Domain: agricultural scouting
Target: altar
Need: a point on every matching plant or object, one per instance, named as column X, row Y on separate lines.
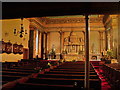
column 71, row 57
column 73, row 47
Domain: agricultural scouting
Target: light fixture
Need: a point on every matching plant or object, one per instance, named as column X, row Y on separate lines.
column 21, row 32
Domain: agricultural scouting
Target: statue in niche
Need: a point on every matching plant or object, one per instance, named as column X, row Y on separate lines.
column 80, row 39
column 92, row 48
column 65, row 39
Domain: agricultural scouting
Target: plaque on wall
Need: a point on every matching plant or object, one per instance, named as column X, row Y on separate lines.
column 15, row 48
column 8, row 47
column 20, row 49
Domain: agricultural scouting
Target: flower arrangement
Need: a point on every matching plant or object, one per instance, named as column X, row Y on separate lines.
column 110, row 53
column 52, row 52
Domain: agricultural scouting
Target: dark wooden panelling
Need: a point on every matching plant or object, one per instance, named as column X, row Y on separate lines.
column 39, row 9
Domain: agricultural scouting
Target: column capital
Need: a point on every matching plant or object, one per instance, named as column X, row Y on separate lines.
column 83, row 32
column 32, row 27
column 100, row 31
column 60, row 32
column 86, row 16
column 46, row 32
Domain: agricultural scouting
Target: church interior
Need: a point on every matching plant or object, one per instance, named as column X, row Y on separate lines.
column 52, row 47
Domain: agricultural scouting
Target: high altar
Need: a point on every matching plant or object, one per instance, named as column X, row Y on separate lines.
column 73, row 47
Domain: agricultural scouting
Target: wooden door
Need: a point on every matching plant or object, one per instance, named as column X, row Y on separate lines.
column 25, row 53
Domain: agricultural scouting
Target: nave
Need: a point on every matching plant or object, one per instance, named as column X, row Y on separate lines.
column 52, row 45
column 59, row 75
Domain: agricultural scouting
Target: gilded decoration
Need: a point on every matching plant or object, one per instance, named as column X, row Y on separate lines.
column 73, row 39
column 47, row 20
column 73, row 47
column 77, row 22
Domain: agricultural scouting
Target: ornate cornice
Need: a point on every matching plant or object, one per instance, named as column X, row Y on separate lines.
column 41, row 23
column 68, row 20
column 35, row 21
column 73, row 27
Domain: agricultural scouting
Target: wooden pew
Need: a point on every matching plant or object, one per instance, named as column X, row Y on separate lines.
column 112, row 73
column 68, row 79
column 95, row 83
column 15, row 73
column 32, row 86
column 9, row 77
column 72, row 70
column 3, row 82
column 69, row 72
column 20, row 70
column 66, row 76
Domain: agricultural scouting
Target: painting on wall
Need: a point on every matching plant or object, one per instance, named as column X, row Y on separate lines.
column 8, row 48
column 2, row 47
column 20, row 49
column 15, row 48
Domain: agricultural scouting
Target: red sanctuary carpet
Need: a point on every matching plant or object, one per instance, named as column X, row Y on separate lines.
column 104, row 84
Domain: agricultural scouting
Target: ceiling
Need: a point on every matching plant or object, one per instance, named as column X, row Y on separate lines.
column 12, row 10
column 69, row 23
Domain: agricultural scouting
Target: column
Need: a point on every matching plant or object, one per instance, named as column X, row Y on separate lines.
column 63, row 40
column 39, row 44
column 34, row 41
column 84, row 40
column 87, row 66
column 118, row 51
column 60, row 32
column 46, row 45
column 111, row 39
column 48, row 40
column 31, row 43
column 42, row 44
column 106, row 40
column 100, row 38
column 102, row 41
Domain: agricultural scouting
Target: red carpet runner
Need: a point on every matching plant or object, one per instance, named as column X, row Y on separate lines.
column 105, row 85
